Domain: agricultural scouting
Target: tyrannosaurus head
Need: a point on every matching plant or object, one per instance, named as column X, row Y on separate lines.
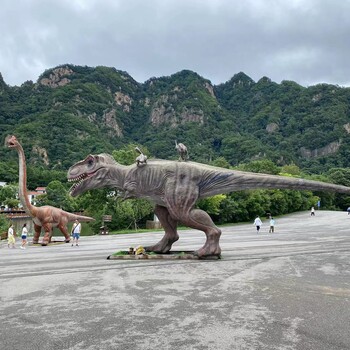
column 90, row 173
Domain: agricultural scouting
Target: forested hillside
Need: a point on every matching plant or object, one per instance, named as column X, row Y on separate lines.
column 72, row 111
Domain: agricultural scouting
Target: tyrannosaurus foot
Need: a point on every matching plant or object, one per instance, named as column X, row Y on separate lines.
column 164, row 245
column 208, row 251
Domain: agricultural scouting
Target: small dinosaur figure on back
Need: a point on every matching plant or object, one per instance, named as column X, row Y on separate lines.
column 182, row 150
column 141, row 160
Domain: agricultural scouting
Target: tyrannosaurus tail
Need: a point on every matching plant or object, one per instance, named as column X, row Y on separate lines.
column 252, row 180
column 231, row 181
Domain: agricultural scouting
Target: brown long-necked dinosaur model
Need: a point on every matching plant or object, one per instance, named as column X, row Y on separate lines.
column 45, row 217
column 175, row 187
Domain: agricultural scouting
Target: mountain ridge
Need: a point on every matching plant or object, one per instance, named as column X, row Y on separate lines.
column 74, row 110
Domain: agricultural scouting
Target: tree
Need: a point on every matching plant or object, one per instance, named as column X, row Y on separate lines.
column 125, row 213
column 340, row 176
column 11, row 202
column 220, row 162
column 4, row 224
column 8, row 193
column 131, row 213
column 57, row 196
column 128, row 154
column 211, row 204
column 265, row 166
column 291, row 169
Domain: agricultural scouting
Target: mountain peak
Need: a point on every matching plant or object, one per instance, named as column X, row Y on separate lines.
column 241, row 79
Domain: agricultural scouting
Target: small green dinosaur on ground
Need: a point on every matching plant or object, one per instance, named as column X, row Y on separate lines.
column 175, row 187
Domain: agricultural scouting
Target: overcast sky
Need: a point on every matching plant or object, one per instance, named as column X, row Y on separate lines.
column 306, row 41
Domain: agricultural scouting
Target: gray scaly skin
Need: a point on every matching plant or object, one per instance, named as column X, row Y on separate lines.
column 175, row 187
column 45, row 217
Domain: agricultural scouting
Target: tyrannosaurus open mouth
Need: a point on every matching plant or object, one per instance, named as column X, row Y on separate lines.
column 79, row 181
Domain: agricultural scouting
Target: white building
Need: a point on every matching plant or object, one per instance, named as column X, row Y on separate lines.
column 33, row 194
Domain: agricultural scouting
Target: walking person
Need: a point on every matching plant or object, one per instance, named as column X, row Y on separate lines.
column 272, row 225
column 312, row 211
column 76, row 232
column 348, row 210
column 24, row 236
column 258, row 224
column 11, row 237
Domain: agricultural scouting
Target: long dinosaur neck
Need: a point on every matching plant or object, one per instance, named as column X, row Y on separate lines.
column 22, row 183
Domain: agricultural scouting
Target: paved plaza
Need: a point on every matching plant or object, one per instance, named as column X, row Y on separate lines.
column 284, row 291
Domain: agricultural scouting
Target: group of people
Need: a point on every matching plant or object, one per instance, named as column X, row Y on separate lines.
column 11, row 240
column 258, row 224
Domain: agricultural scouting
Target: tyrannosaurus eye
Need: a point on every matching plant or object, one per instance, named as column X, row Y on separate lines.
column 90, row 162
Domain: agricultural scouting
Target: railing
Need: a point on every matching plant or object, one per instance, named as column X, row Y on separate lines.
column 17, row 213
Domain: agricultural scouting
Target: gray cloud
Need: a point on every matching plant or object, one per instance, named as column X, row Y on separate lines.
column 300, row 40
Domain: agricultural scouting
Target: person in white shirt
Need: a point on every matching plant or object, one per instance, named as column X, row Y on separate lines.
column 272, row 225
column 24, row 236
column 312, row 211
column 76, row 229
column 258, row 224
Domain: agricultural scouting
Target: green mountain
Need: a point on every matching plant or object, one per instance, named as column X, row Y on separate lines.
column 72, row 111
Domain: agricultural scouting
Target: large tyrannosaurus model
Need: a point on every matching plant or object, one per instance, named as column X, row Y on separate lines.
column 175, row 187
column 45, row 217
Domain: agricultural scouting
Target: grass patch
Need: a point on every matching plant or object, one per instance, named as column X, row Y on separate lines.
column 121, row 253
column 180, row 254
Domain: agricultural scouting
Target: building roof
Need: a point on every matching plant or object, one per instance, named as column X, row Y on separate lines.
column 34, row 193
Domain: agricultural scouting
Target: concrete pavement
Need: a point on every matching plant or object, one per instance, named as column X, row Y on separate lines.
column 288, row 290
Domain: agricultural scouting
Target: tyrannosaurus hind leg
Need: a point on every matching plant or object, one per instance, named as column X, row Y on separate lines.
column 200, row 220
column 170, row 236
column 181, row 198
